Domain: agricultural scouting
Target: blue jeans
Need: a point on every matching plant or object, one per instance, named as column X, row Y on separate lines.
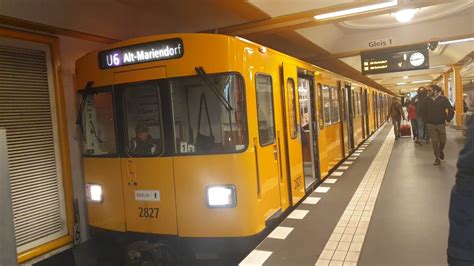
column 421, row 127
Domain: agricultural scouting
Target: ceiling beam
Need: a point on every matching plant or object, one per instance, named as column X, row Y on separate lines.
column 358, row 52
column 306, row 19
column 40, row 27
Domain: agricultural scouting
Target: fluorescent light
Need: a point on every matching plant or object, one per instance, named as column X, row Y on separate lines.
column 457, row 41
column 421, row 81
column 405, row 77
column 402, row 83
column 356, row 10
column 405, row 15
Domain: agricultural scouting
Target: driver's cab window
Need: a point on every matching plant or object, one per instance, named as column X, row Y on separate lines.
column 143, row 119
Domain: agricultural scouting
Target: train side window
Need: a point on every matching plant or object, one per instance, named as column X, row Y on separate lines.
column 98, row 124
column 321, row 106
column 266, row 127
column 335, row 105
column 292, row 108
column 327, row 104
column 209, row 115
column 143, row 128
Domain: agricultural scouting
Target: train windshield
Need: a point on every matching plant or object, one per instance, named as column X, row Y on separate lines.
column 209, row 114
column 98, row 126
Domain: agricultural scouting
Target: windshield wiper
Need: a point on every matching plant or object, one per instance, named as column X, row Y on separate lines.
column 202, row 74
column 84, row 93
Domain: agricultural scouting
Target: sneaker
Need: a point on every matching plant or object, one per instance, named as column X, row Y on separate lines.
column 441, row 155
column 437, row 162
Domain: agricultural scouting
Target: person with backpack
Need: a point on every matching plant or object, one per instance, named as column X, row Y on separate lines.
column 396, row 113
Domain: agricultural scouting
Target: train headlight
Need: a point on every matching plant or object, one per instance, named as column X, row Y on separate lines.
column 94, row 193
column 221, row 196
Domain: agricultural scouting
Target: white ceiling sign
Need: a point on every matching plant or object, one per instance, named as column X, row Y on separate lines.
column 381, row 43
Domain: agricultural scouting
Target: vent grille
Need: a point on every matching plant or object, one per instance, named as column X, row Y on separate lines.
column 25, row 111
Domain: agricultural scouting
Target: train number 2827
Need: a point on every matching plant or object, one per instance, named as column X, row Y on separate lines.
column 148, row 212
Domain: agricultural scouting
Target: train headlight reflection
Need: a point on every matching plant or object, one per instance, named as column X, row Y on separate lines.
column 221, row 196
column 94, row 193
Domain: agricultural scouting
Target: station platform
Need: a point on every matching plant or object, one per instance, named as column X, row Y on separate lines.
column 387, row 204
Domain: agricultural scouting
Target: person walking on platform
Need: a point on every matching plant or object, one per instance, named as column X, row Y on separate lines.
column 396, row 113
column 412, row 117
column 435, row 116
column 461, row 208
column 420, row 99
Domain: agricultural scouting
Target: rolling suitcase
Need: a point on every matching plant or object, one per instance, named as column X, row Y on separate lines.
column 405, row 129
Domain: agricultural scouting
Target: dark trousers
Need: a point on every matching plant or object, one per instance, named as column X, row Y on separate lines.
column 396, row 126
column 437, row 134
column 414, row 128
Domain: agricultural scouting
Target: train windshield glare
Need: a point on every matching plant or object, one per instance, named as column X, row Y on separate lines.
column 208, row 117
column 204, row 123
column 98, row 124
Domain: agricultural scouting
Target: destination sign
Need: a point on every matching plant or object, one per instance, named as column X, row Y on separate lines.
column 141, row 53
column 391, row 60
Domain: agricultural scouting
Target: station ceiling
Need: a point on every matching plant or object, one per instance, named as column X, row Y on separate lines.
column 285, row 25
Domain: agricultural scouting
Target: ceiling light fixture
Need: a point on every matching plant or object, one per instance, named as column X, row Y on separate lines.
column 457, row 41
column 421, row 81
column 405, row 15
column 402, row 83
column 405, row 77
column 356, row 10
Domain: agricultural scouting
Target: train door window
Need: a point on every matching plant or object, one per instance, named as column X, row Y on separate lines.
column 209, row 114
column 327, row 104
column 143, row 128
column 98, row 124
column 292, row 106
column 335, row 105
column 304, row 102
column 321, row 106
column 266, row 127
column 359, row 106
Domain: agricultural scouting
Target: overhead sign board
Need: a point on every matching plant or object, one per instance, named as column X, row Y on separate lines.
column 141, row 53
column 391, row 60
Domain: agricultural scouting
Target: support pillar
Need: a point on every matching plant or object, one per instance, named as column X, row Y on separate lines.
column 459, row 91
column 446, row 84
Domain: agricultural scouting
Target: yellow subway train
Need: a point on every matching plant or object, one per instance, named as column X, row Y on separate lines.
column 206, row 136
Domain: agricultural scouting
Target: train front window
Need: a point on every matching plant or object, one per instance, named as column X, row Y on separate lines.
column 98, row 124
column 143, row 119
column 209, row 114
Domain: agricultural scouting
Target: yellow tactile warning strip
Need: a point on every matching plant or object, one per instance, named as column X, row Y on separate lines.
column 345, row 244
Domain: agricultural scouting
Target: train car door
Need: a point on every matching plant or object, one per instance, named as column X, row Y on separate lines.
column 366, row 114
column 344, row 119
column 376, row 109
column 147, row 176
column 347, row 92
column 294, row 134
column 266, row 147
column 307, row 102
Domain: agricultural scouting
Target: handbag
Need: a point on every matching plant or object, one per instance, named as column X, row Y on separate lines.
column 203, row 142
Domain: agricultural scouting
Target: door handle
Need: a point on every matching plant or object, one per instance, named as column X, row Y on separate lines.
column 275, row 152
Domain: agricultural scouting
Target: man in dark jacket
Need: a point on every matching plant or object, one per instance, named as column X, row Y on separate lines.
column 461, row 209
column 435, row 116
